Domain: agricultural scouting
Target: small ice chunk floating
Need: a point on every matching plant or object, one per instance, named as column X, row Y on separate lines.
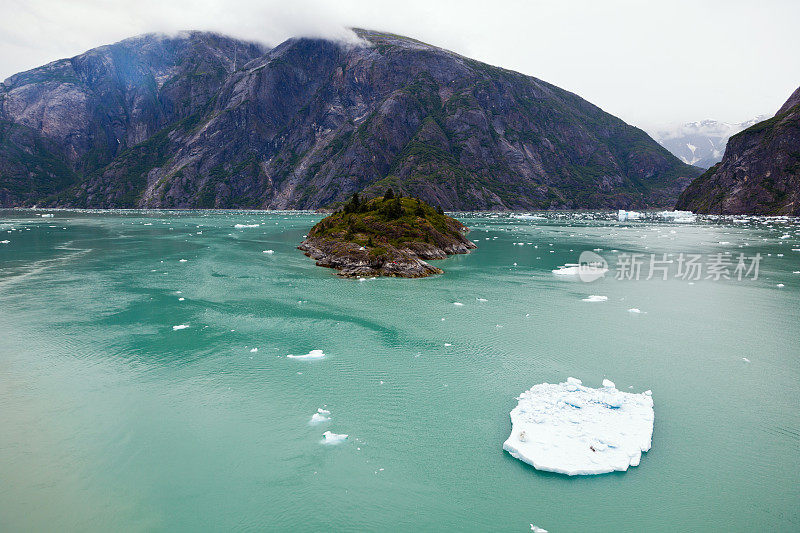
column 313, row 354
column 577, row 430
column 333, row 438
column 624, row 216
column 322, row 415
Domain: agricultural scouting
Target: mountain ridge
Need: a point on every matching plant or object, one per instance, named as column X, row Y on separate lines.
column 701, row 143
column 204, row 120
column 759, row 173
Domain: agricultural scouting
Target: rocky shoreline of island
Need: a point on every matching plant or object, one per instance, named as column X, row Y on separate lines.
column 385, row 236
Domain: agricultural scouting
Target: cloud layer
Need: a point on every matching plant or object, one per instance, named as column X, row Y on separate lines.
column 649, row 62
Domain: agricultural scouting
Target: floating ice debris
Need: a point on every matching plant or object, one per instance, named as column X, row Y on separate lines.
column 569, row 269
column 333, row 438
column 322, row 415
column 254, row 350
column 529, row 217
column 458, row 304
column 745, row 359
column 240, row 226
column 313, row 354
column 182, row 326
column 595, row 298
column 268, row 252
column 537, row 529
column 634, row 310
column 576, row 430
column 586, row 271
column 624, row 216
column 678, row 216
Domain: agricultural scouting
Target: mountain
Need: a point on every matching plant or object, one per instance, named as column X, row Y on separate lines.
column 759, row 173
column 203, row 120
column 701, row 143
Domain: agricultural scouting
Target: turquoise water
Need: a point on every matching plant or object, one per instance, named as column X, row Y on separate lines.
column 112, row 420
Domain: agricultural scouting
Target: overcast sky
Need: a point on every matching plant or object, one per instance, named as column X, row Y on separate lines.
column 651, row 63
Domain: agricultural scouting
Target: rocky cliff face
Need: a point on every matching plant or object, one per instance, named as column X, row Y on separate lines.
column 201, row 120
column 759, row 173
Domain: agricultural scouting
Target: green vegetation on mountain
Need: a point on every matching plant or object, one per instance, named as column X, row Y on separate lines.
column 203, row 120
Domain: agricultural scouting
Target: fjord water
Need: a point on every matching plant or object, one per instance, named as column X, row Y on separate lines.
column 112, row 420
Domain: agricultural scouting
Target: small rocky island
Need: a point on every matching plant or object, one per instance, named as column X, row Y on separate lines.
column 385, row 236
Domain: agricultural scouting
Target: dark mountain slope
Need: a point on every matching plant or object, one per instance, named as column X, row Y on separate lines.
column 311, row 121
column 759, row 173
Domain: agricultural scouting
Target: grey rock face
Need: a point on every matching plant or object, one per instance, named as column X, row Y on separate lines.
column 202, row 120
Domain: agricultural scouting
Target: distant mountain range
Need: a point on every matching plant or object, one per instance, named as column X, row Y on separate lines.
column 201, row 120
column 759, row 173
column 701, row 143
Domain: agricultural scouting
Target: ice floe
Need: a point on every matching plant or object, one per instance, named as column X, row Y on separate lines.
column 333, row 438
column 585, row 272
column 624, row 216
column 322, row 415
column 313, row 354
column 595, row 298
column 577, row 430
column 678, row 216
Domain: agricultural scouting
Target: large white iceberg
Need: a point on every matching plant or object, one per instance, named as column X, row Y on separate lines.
column 577, row 430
